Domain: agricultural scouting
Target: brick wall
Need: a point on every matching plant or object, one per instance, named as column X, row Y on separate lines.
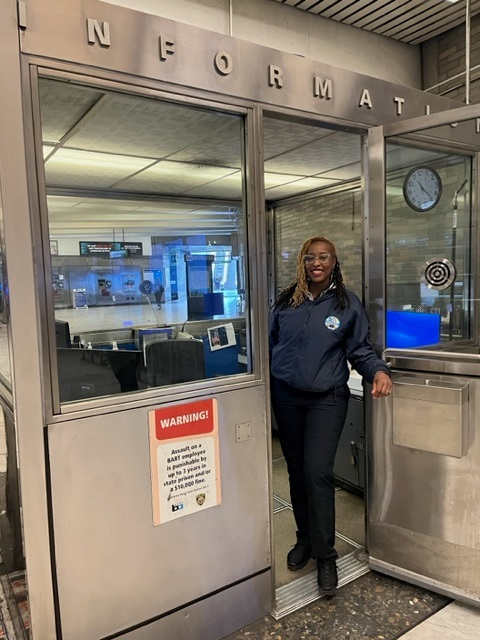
column 335, row 216
column 444, row 58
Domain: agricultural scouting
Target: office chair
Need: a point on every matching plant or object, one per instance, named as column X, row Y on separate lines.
column 172, row 361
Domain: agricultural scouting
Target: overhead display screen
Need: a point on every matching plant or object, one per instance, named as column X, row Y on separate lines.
column 110, row 250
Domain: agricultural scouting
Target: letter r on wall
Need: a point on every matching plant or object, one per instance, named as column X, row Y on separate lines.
column 275, row 76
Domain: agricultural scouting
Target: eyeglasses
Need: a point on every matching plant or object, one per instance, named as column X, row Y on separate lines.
column 322, row 258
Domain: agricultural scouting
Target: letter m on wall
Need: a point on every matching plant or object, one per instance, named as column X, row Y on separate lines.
column 322, row 88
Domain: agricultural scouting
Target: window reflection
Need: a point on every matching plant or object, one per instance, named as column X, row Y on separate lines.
column 312, row 179
column 428, row 259
column 146, row 216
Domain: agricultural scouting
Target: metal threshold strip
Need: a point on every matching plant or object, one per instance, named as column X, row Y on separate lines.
column 295, row 595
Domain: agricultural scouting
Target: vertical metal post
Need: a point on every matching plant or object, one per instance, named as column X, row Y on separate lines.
column 468, row 50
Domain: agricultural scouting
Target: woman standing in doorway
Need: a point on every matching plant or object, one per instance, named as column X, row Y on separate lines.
column 315, row 329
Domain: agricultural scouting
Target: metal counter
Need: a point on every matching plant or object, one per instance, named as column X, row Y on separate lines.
column 424, row 473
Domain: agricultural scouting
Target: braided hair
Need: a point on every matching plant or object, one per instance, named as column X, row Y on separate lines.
column 298, row 291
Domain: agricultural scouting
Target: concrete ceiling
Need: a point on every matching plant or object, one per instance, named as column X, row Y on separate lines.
column 148, row 166
column 411, row 21
column 156, row 168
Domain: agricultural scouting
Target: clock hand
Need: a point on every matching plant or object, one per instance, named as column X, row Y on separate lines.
column 427, row 193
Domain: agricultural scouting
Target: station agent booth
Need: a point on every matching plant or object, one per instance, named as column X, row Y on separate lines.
column 143, row 506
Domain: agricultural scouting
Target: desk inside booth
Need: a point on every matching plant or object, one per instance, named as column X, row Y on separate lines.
column 143, row 359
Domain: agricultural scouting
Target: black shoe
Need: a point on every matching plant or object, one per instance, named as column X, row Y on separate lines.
column 299, row 555
column 327, row 576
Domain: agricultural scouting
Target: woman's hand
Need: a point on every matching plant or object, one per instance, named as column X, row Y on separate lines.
column 382, row 385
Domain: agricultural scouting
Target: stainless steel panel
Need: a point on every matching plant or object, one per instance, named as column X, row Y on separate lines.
column 114, row 569
column 427, row 389
column 430, row 415
column 417, row 552
column 466, row 112
column 424, row 506
column 251, row 600
column 246, row 70
column 459, row 363
column 24, row 274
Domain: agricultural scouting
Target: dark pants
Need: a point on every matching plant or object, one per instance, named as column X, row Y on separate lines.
column 310, row 425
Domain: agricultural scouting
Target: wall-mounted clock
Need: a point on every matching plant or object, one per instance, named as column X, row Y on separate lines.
column 146, row 287
column 422, row 188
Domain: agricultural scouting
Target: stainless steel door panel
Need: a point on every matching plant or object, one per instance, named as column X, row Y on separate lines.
column 427, row 561
column 252, row 599
column 455, row 363
column 424, row 506
column 423, row 440
column 430, row 415
column 433, row 390
column 114, row 568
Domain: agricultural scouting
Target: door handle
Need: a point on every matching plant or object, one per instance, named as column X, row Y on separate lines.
column 353, row 453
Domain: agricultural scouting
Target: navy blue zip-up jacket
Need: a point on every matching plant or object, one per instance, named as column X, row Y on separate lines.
column 310, row 345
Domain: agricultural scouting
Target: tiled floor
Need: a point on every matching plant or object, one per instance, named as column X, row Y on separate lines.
column 455, row 621
column 373, row 606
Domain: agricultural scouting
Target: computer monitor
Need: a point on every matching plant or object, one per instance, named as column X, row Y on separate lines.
column 144, row 335
column 412, row 329
column 87, row 373
column 62, row 334
column 214, row 304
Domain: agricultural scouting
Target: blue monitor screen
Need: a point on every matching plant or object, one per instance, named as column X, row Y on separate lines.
column 214, row 304
column 412, row 329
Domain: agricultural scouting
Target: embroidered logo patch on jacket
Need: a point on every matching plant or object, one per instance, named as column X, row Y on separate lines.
column 332, row 323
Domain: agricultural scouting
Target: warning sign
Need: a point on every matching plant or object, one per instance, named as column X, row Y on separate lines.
column 184, row 454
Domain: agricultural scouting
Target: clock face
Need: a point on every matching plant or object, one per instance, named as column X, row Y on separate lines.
column 422, row 188
column 146, row 287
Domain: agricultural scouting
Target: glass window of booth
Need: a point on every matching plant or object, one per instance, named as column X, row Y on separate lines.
column 312, row 175
column 429, row 297
column 148, row 240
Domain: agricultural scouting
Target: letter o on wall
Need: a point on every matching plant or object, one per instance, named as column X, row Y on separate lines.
column 223, row 63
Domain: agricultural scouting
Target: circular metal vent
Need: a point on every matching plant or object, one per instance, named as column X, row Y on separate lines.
column 439, row 273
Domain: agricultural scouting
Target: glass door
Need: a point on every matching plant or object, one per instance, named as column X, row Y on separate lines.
column 423, row 296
